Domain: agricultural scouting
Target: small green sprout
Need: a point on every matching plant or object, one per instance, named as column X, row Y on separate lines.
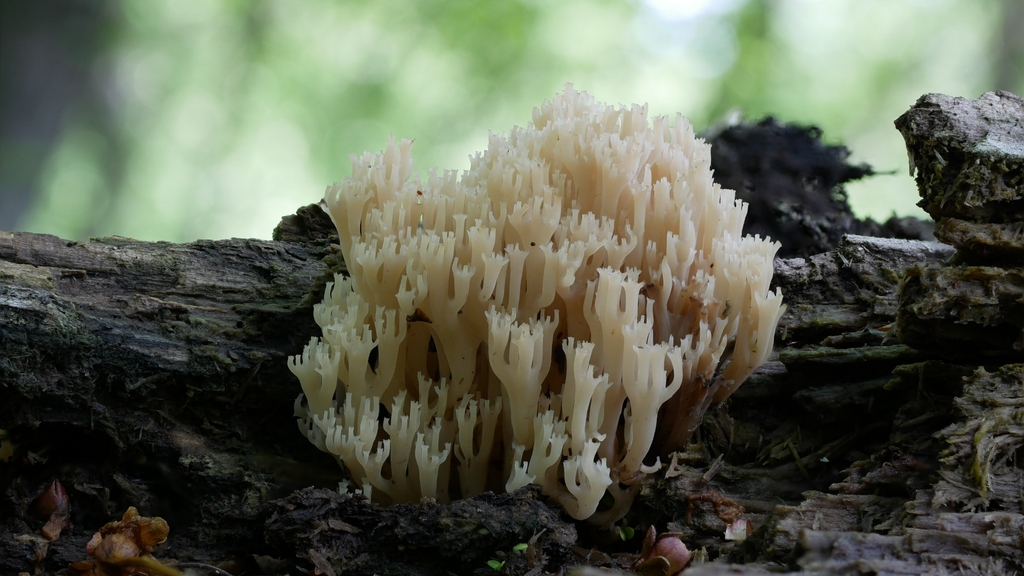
column 625, row 532
column 497, row 565
column 521, row 547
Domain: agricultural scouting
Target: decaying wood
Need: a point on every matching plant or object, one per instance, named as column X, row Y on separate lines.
column 153, row 374
column 968, row 155
column 423, row 538
column 173, row 356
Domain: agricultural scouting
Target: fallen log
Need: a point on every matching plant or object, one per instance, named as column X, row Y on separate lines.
column 154, row 375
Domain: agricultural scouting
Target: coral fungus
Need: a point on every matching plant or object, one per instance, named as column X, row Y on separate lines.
column 559, row 315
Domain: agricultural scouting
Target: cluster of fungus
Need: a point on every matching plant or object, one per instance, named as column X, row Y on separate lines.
column 559, row 315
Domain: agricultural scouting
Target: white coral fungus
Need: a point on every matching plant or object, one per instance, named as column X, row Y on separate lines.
column 562, row 313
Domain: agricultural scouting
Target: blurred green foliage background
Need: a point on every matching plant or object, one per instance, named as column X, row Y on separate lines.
column 183, row 119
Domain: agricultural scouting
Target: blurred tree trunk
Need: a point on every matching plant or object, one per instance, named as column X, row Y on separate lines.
column 1008, row 64
column 49, row 73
